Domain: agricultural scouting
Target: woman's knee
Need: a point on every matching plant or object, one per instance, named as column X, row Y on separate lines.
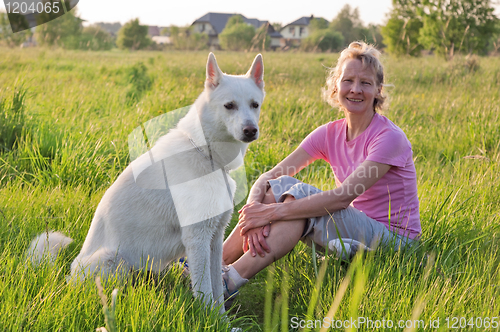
column 284, row 235
column 289, row 198
column 269, row 197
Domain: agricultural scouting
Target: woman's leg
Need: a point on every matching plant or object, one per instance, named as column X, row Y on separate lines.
column 233, row 245
column 283, row 236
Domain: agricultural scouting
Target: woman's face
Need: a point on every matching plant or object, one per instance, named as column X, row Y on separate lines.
column 357, row 87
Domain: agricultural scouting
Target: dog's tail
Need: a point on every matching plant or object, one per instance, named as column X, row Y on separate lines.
column 47, row 246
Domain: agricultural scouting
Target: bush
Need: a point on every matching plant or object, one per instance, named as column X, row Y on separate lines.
column 94, row 38
column 133, row 36
column 237, row 35
column 184, row 39
column 234, row 20
column 67, row 32
column 323, row 40
column 139, row 82
column 64, row 31
column 461, row 66
column 261, row 41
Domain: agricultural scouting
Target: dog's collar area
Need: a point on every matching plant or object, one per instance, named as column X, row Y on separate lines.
column 208, row 157
column 200, row 150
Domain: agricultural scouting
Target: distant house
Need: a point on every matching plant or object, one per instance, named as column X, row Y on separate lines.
column 299, row 29
column 153, row 31
column 162, row 40
column 157, row 34
column 213, row 23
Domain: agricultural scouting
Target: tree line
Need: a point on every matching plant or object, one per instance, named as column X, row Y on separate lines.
column 444, row 27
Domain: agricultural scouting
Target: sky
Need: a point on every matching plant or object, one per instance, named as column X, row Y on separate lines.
column 184, row 12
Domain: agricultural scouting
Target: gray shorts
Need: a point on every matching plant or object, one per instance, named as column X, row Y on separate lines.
column 350, row 224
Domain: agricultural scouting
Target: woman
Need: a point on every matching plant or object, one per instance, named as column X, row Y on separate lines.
column 375, row 200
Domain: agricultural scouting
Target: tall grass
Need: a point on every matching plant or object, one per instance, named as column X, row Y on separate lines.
column 12, row 119
column 78, row 108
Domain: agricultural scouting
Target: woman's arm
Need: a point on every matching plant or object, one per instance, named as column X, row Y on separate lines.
column 296, row 161
column 291, row 165
column 364, row 176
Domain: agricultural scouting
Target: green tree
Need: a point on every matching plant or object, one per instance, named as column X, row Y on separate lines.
column 234, row 20
column 373, row 35
column 9, row 38
column 177, row 37
column 261, row 40
column 451, row 26
column 318, row 24
column 95, row 38
column 444, row 26
column 277, row 26
column 323, row 40
column 64, row 31
column 494, row 44
column 182, row 38
column 349, row 24
column 401, row 35
column 237, row 35
column 133, row 36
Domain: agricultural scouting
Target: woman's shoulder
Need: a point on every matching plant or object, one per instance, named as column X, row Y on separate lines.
column 385, row 126
column 388, row 131
column 332, row 125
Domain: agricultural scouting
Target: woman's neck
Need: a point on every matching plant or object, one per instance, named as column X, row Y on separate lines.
column 357, row 123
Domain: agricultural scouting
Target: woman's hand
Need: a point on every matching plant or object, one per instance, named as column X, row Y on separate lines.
column 255, row 241
column 255, row 214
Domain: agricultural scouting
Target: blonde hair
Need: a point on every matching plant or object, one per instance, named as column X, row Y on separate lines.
column 369, row 57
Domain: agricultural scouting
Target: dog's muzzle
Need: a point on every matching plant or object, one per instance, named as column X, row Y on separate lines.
column 250, row 133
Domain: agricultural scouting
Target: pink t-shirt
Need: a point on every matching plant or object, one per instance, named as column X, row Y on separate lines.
column 381, row 142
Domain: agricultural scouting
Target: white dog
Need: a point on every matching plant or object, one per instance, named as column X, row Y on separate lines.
column 176, row 199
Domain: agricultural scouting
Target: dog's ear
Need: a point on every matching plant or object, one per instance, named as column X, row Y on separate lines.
column 214, row 74
column 256, row 72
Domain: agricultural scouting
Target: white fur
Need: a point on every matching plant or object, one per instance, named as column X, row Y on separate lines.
column 136, row 224
column 47, row 246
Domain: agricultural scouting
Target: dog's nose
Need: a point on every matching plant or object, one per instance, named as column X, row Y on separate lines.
column 250, row 132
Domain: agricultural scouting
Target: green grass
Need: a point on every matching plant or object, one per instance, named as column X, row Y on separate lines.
column 67, row 143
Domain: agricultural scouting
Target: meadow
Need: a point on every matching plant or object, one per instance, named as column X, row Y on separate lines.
column 65, row 117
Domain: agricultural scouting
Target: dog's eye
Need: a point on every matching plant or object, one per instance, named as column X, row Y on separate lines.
column 254, row 105
column 230, row 106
